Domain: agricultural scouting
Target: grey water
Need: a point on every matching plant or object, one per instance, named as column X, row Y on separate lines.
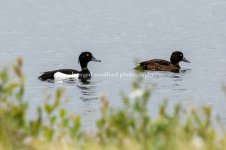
column 50, row 34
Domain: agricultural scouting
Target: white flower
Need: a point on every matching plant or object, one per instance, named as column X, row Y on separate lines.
column 136, row 94
column 28, row 140
column 198, row 142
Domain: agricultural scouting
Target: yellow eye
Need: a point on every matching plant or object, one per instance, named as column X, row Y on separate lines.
column 87, row 54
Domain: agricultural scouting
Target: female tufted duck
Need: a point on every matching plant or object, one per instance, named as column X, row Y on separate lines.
column 84, row 74
column 164, row 65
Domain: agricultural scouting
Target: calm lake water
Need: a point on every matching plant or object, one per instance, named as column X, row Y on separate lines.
column 50, row 34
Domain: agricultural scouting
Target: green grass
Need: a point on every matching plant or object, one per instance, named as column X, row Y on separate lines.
column 127, row 127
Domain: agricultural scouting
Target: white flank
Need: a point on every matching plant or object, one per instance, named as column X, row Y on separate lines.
column 61, row 76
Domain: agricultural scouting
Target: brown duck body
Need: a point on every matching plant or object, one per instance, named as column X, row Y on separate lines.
column 164, row 65
column 158, row 65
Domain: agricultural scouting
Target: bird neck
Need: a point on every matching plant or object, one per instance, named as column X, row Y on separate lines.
column 174, row 61
column 84, row 65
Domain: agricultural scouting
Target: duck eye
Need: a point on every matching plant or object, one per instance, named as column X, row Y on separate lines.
column 87, row 55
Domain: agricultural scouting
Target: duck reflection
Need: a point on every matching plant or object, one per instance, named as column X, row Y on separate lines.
column 88, row 90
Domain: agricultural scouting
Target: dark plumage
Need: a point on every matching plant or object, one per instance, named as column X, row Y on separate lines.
column 84, row 59
column 164, row 65
column 50, row 74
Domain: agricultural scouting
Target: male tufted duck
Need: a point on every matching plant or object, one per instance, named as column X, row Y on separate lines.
column 84, row 74
column 164, row 65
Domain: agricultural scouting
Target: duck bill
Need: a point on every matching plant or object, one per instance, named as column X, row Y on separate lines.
column 185, row 60
column 94, row 59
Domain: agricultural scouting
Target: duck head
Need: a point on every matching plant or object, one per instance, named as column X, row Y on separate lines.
column 176, row 57
column 85, row 58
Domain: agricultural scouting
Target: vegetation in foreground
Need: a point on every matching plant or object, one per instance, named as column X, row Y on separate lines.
column 127, row 127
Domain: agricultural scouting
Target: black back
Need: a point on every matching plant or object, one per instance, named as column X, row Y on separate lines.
column 49, row 75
